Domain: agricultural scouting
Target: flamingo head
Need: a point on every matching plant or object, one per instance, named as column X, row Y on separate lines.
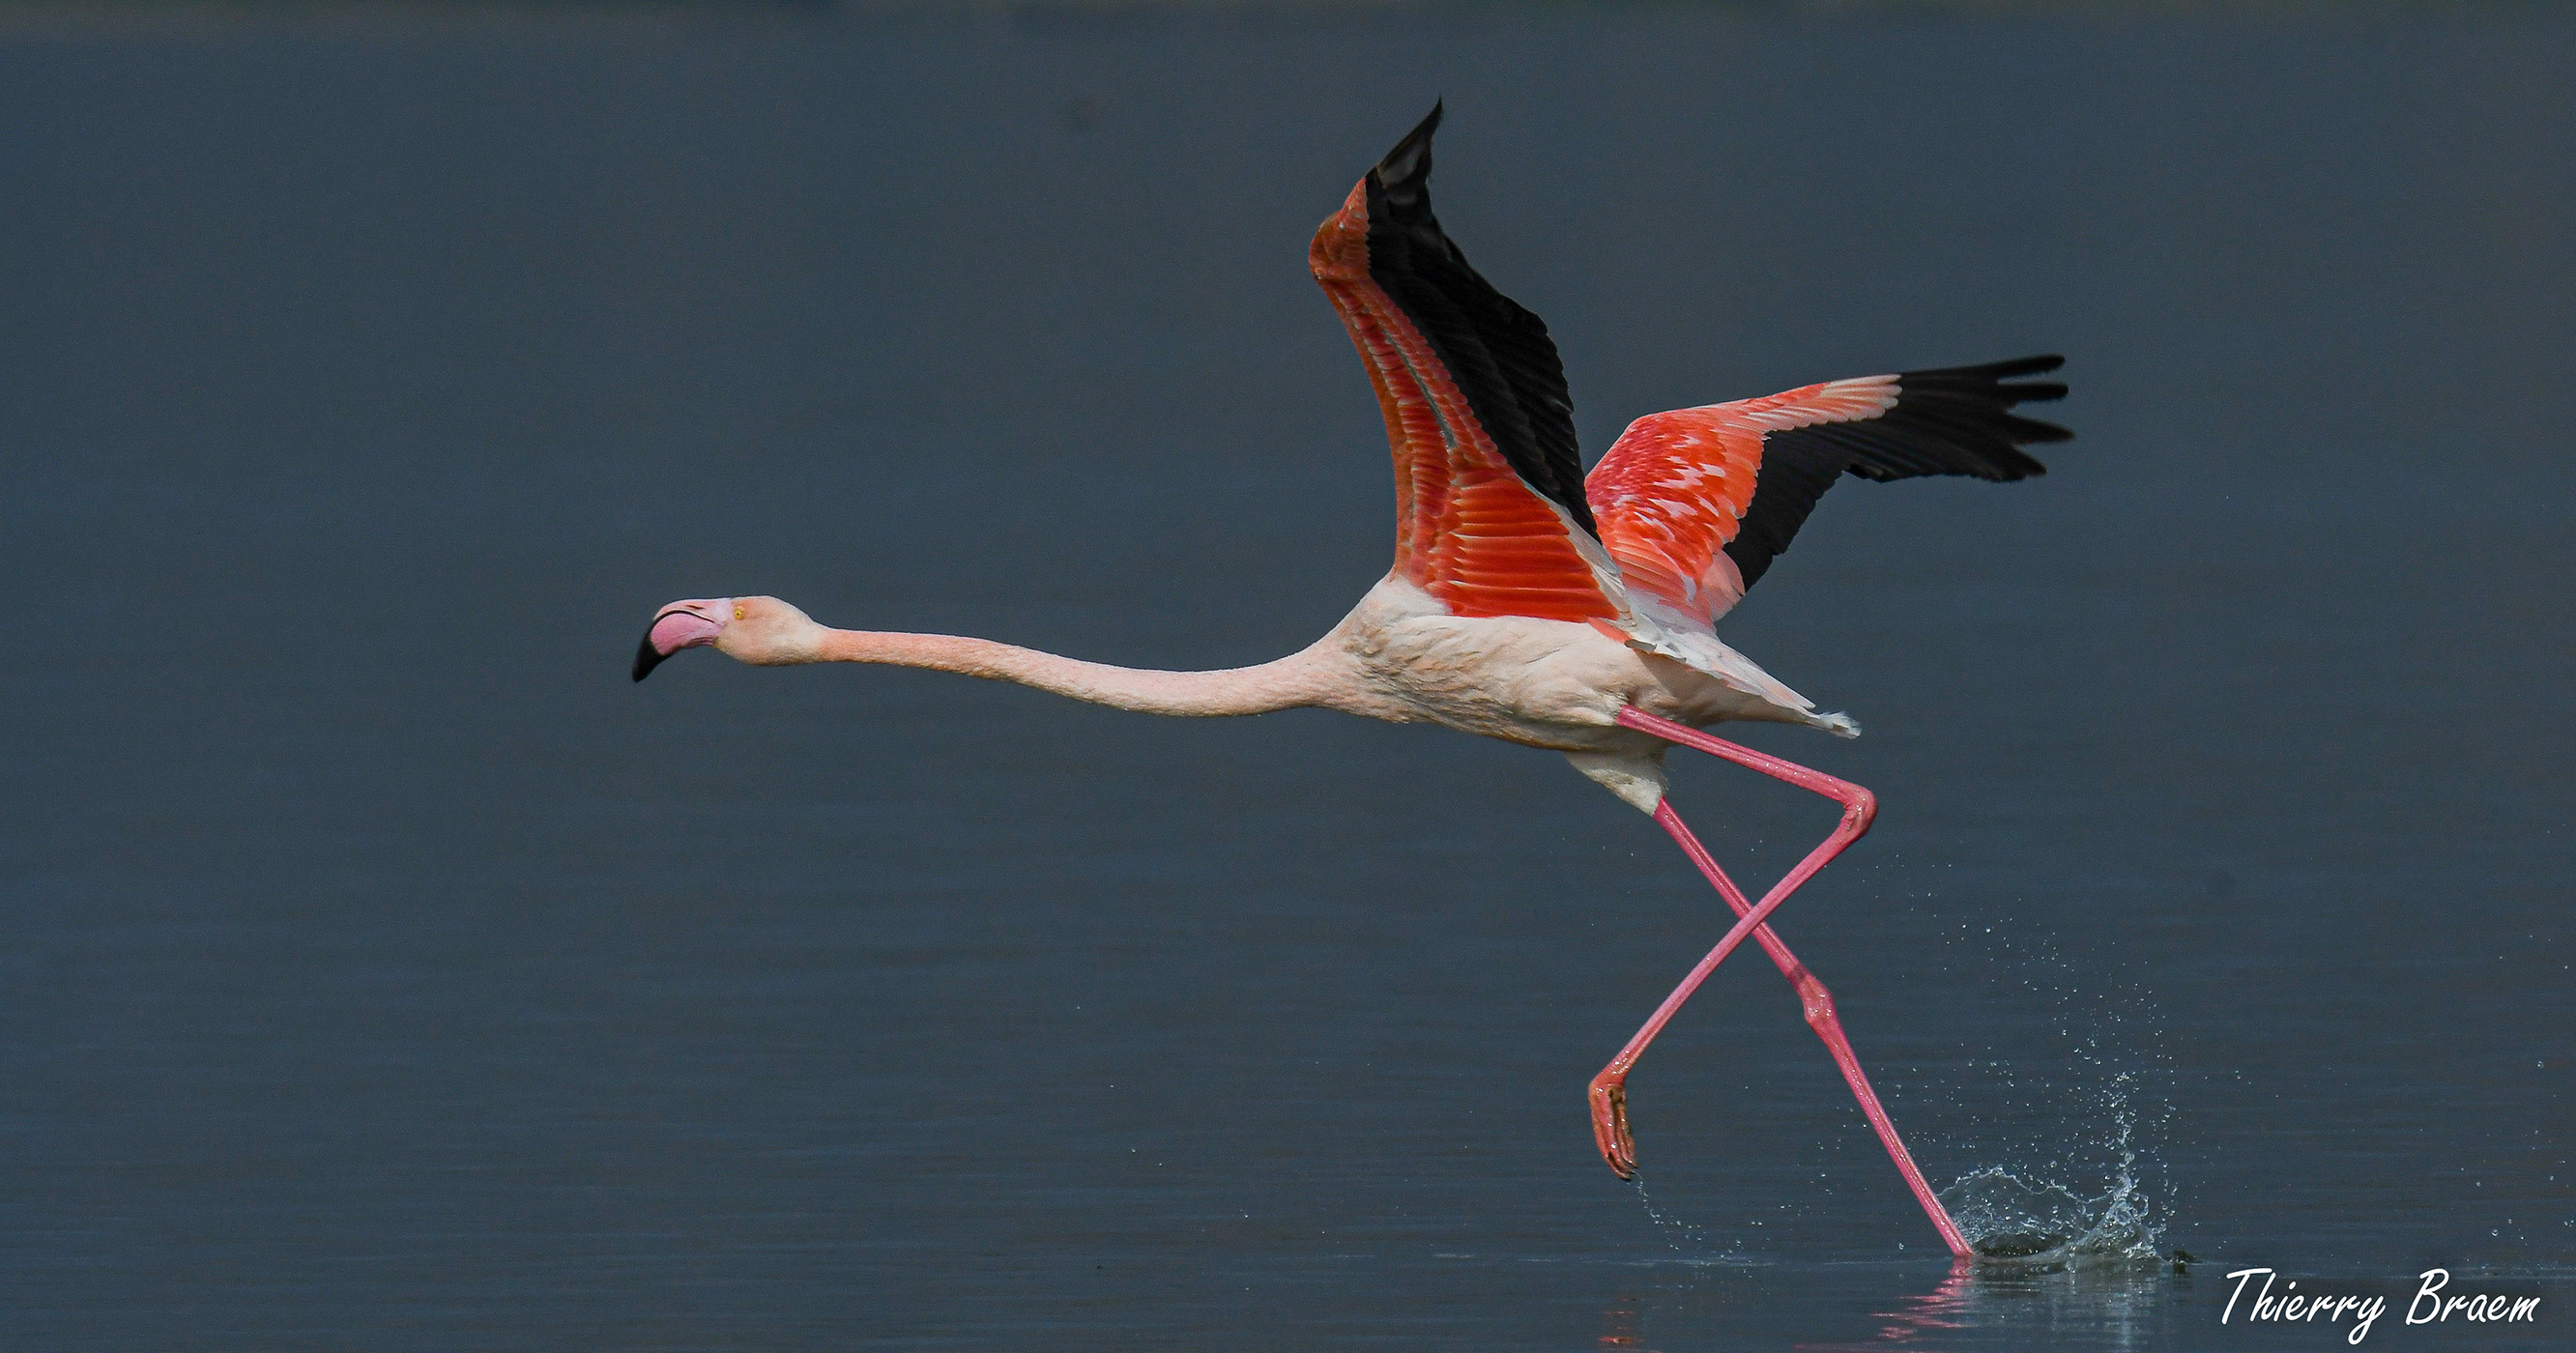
column 761, row 630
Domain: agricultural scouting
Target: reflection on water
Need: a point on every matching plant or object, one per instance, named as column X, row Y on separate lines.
column 2102, row 1302
column 2110, row 1299
column 2068, row 1253
column 1619, row 1326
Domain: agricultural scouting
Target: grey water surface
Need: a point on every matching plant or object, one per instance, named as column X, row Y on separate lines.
column 380, row 969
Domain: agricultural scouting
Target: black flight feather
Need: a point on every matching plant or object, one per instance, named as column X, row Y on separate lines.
column 1497, row 353
column 1954, row 421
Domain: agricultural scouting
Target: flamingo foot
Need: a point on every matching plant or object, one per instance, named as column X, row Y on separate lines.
column 1610, row 1124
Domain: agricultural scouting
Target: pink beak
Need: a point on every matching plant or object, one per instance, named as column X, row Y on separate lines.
column 682, row 624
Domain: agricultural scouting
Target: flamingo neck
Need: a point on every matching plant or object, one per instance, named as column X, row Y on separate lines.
column 1298, row 680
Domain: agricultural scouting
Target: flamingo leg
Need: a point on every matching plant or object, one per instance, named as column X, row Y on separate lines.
column 1609, row 1095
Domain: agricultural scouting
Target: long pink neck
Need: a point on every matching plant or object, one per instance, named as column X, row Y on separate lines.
column 1294, row 681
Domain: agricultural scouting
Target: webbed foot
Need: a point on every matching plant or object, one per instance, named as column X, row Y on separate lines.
column 1610, row 1124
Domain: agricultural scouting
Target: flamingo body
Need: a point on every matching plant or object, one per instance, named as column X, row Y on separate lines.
column 1541, row 683
column 1527, row 601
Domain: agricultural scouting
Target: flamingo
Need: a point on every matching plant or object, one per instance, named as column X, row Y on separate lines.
column 1528, row 601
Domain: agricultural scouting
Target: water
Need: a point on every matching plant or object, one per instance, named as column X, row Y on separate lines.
column 379, row 968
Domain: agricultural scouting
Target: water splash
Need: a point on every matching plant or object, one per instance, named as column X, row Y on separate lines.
column 1683, row 1237
column 2034, row 1222
column 2072, row 1194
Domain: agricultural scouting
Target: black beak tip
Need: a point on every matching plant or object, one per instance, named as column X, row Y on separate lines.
column 646, row 658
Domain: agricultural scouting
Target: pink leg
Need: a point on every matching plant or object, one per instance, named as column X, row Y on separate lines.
column 1609, row 1089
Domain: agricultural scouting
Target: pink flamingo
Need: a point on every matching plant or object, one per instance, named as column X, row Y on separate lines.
column 1529, row 602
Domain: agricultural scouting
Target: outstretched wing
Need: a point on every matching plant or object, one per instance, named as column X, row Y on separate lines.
column 1489, row 495
column 1694, row 504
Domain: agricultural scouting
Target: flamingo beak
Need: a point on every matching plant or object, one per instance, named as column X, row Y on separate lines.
column 682, row 624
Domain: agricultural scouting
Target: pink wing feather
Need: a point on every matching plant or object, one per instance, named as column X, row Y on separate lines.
column 1674, row 488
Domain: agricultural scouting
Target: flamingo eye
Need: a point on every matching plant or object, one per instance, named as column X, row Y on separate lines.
column 737, row 610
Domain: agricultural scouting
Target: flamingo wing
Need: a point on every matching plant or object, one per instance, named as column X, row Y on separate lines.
column 1694, row 504
column 1491, row 516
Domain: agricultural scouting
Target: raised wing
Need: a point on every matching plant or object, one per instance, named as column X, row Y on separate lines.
column 1694, row 504
column 1489, row 495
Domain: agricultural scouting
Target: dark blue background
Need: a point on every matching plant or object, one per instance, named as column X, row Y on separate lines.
column 379, row 969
